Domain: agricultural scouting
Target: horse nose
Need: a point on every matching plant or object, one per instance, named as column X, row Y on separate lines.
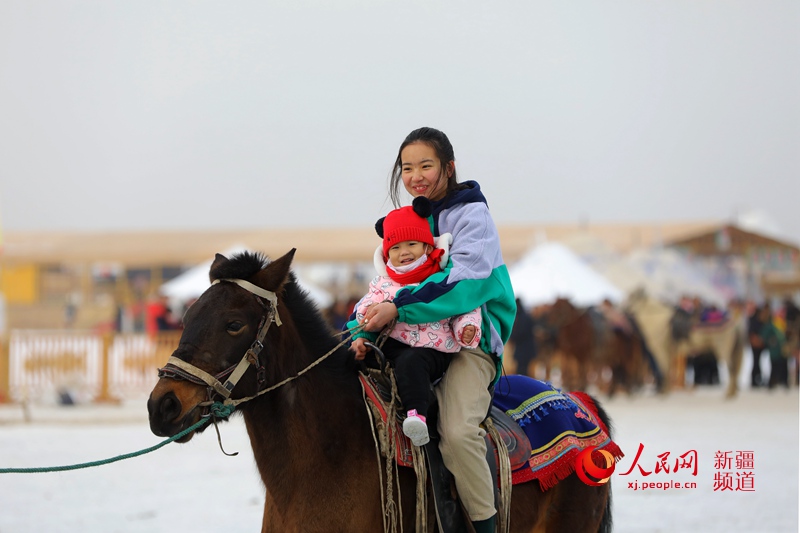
column 162, row 411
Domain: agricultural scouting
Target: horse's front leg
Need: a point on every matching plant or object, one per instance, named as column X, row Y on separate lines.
column 734, row 366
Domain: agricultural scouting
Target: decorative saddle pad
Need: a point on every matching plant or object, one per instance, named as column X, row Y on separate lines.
column 515, row 439
column 402, row 453
column 559, row 426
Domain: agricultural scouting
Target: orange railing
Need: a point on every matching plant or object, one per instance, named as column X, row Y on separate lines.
column 37, row 364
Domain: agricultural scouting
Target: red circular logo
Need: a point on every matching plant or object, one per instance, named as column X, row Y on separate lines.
column 589, row 472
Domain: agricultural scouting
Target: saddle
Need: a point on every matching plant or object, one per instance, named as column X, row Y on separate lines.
column 378, row 392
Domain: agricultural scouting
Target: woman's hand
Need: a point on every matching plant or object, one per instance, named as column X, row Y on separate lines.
column 377, row 316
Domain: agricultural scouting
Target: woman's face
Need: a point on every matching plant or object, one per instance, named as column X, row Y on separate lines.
column 422, row 171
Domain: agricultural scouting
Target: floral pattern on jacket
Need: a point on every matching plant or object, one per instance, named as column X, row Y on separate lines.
column 444, row 335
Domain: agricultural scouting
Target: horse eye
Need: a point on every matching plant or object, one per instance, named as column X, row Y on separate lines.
column 235, row 326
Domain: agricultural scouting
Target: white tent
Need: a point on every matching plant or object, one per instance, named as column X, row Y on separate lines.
column 552, row 271
column 668, row 274
column 192, row 283
column 663, row 273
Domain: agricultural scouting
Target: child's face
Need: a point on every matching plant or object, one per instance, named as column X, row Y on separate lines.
column 406, row 252
column 422, row 172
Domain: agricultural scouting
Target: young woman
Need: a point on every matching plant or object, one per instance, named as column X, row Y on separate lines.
column 475, row 276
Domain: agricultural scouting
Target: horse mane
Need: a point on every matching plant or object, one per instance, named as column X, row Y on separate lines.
column 240, row 266
column 316, row 333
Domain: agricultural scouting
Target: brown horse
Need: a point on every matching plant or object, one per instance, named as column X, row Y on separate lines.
column 588, row 343
column 305, row 414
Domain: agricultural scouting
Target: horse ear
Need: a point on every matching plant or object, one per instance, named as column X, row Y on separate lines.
column 274, row 275
column 379, row 227
column 219, row 261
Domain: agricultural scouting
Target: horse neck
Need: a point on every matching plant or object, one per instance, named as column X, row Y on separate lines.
column 318, row 413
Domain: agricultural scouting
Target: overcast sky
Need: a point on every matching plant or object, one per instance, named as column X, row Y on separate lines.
column 200, row 114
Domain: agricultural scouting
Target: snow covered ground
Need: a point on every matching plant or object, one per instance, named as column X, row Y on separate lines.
column 194, row 487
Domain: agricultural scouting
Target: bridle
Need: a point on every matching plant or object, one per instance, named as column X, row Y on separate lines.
column 179, row 369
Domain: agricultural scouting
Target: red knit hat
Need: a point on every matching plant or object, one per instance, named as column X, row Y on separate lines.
column 408, row 223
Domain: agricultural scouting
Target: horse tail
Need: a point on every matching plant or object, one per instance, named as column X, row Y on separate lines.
column 606, row 522
column 593, row 405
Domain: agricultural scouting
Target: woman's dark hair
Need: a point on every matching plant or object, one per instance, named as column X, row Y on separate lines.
column 444, row 151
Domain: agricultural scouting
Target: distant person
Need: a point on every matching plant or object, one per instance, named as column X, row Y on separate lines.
column 774, row 341
column 523, row 339
column 711, row 315
column 755, row 325
column 791, row 314
column 338, row 314
column 70, row 311
column 158, row 316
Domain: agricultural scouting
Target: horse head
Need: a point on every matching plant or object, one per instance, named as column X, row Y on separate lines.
column 218, row 356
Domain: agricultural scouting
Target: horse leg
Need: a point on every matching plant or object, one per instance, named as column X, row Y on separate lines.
column 548, row 368
column 576, row 506
column 362, row 513
column 734, row 365
column 529, row 507
column 619, row 358
column 677, row 367
column 569, row 372
column 560, row 362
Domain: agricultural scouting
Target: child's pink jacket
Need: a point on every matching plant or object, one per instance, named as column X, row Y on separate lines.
column 443, row 335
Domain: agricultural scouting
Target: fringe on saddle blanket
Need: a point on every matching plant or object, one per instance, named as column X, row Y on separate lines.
column 559, row 426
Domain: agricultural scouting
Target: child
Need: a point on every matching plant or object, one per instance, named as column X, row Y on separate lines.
column 475, row 276
column 420, row 352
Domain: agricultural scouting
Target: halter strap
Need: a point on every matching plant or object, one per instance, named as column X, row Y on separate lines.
column 202, row 375
column 258, row 291
column 249, row 358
